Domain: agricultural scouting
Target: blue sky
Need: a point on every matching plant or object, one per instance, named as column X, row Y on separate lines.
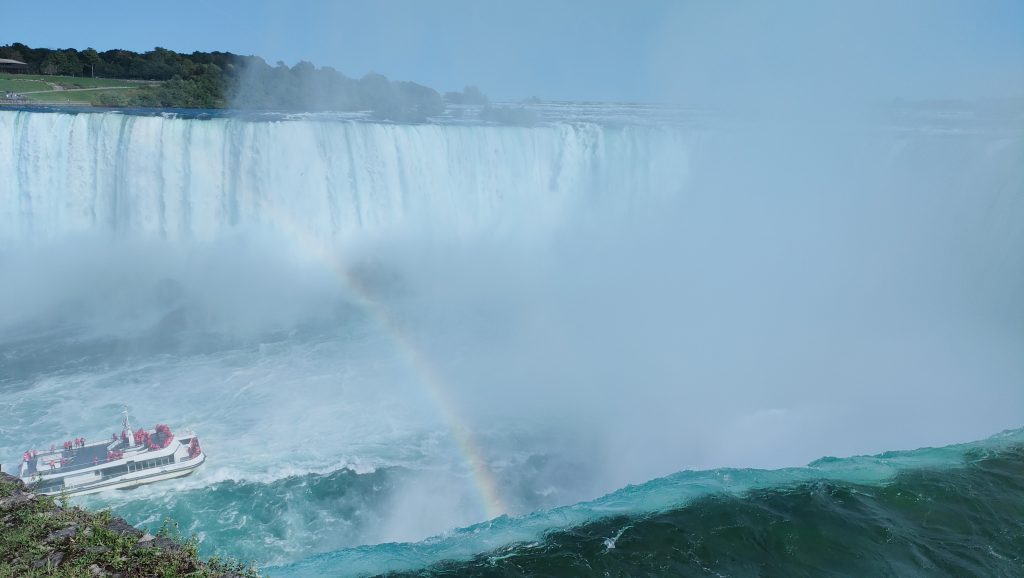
column 648, row 50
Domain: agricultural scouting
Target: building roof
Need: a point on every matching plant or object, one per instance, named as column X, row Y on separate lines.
column 9, row 61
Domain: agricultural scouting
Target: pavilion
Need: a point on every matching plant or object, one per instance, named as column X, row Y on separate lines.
column 16, row 66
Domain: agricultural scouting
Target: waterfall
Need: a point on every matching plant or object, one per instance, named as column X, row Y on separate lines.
column 175, row 178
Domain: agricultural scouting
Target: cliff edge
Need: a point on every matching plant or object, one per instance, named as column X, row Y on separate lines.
column 42, row 536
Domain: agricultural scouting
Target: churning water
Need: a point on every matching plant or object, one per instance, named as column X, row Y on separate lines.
column 405, row 344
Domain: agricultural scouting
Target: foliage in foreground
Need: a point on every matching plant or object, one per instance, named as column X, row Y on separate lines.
column 41, row 537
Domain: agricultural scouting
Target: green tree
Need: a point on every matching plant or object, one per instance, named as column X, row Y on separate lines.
column 63, row 62
column 91, row 59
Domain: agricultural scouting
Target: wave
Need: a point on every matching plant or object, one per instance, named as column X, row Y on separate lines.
column 270, row 522
column 791, row 296
column 737, row 521
column 963, row 521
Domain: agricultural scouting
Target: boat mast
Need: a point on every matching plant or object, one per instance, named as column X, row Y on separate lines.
column 128, row 427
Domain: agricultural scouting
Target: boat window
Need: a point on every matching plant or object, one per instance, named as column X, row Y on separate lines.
column 152, row 463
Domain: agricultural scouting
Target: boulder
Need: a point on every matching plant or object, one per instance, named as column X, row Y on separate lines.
column 65, row 534
column 119, row 526
column 16, row 500
column 9, row 479
column 52, row 560
column 150, row 541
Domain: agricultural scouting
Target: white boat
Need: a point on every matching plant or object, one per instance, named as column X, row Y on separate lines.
column 132, row 459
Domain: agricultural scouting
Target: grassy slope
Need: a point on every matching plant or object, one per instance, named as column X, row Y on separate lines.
column 40, row 537
column 31, row 84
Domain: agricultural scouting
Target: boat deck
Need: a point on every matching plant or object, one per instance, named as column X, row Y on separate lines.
column 76, row 459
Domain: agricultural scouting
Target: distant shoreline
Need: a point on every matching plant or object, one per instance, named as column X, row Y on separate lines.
column 162, row 78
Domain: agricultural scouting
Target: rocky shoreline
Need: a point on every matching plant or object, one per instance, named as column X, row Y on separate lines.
column 41, row 537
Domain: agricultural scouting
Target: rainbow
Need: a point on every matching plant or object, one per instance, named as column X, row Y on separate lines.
column 484, row 482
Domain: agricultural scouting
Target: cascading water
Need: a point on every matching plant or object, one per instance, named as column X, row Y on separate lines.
column 386, row 332
column 183, row 179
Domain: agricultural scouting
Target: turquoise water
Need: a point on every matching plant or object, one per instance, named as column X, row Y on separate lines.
column 963, row 519
column 605, row 329
column 955, row 509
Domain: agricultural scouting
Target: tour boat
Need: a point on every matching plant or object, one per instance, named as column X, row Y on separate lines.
column 132, row 459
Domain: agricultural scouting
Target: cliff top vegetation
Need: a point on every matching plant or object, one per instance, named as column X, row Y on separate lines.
column 162, row 78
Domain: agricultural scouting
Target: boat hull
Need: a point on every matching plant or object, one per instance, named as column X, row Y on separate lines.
column 127, row 483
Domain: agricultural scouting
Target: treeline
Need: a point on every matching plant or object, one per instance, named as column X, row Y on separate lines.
column 222, row 79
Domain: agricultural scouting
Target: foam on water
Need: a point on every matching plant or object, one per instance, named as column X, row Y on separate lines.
column 655, row 496
column 605, row 302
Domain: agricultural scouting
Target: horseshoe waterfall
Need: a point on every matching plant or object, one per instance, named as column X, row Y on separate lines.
column 468, row 347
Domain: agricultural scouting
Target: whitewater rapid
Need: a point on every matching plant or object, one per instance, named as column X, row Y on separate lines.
column 372, row 326
column 201, row 271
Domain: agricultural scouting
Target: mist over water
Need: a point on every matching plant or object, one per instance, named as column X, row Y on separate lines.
column 601, row 304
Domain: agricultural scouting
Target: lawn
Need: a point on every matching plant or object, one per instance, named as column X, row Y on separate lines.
column 18, row 85
column 73, row 81
column 76, row 89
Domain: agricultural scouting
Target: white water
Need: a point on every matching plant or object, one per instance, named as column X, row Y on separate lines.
column 187, row 179
column 603, row 304
column 178, row 265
